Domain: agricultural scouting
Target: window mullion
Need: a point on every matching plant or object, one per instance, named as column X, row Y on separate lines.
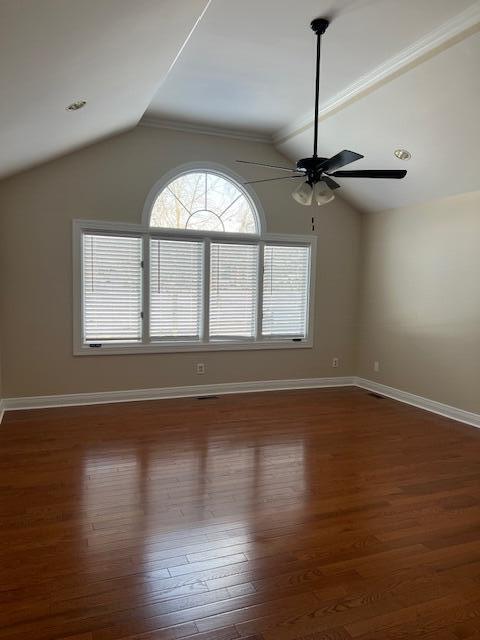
column 205, row 336
column 146, row 290
column 258, row 333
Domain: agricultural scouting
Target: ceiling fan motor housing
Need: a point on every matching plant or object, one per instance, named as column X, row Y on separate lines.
column 312, row 167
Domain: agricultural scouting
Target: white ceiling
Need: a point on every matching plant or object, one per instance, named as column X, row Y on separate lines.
column 113, row 53
column 248, row 66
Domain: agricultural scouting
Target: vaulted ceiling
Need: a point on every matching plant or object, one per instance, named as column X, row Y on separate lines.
column 394, row 74
column 113, row 53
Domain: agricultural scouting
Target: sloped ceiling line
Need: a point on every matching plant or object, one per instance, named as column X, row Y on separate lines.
column 182, row 47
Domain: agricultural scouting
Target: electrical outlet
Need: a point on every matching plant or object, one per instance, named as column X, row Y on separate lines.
column 200, row 368
column 335, row 362
column 376, row 366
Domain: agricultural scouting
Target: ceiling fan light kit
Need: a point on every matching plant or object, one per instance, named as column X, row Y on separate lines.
column 319, row 172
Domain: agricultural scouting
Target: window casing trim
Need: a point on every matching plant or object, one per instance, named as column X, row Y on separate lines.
column 148, row 345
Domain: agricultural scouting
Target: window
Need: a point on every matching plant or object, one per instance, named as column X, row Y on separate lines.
column 285, row 290
column 233, row 291
column 203, row 201
column 112, row 288
column 175, row 289
column 200, row 276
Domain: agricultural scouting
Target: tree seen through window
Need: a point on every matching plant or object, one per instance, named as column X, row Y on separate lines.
column 204, row 201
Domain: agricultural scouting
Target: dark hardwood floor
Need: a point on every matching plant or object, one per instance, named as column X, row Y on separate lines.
column 317, row 514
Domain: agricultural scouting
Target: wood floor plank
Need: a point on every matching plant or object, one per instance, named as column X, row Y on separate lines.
column 298, row 515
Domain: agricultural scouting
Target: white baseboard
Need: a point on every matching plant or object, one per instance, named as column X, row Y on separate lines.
column 433, row 406
column 136, row 395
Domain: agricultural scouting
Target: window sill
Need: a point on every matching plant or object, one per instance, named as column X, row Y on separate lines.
column 179, row 347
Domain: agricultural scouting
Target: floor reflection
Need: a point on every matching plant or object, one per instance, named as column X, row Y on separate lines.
column 212, row 480
column 190, row 509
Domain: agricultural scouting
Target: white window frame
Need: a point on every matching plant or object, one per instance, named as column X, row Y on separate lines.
column 81, row 227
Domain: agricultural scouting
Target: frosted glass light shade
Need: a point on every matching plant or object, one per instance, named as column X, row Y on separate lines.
column 303, row 194
column 322, row 193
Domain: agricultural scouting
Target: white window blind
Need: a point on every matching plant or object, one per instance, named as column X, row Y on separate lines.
column 285, row 290
column 233, row 290
column 112, row 288
column 175, row 289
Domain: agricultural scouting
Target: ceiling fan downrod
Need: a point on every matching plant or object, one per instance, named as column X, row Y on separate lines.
column 319, row 26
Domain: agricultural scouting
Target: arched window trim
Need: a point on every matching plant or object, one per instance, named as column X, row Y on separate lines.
column 210, row 167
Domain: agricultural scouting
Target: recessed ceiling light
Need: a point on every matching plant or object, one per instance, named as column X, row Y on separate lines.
column 402, row 154
column 75, row 106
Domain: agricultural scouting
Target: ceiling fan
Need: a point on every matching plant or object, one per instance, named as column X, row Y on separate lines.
column 319, row 172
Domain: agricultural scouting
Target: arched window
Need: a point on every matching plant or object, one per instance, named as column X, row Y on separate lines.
column 204, row 201
column 198, row 273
